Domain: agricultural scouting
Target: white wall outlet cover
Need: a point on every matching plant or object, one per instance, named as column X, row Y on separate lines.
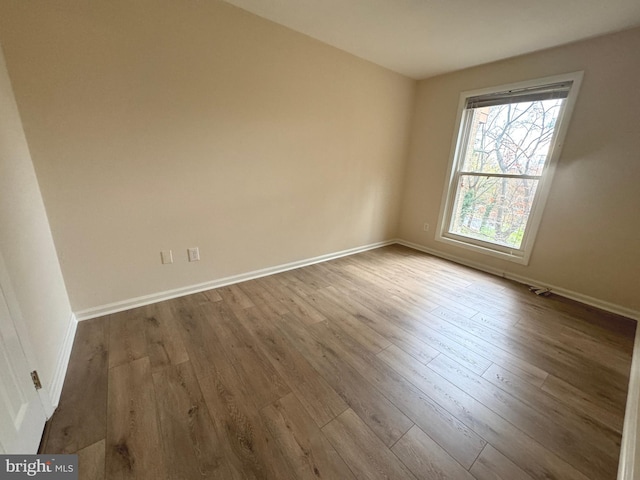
column 193, row 254
column 166, row 256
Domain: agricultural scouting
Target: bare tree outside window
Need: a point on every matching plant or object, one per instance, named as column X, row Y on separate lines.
column 502, row 162
column 505, row 155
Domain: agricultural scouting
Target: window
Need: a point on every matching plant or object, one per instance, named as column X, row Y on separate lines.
column 503, row 158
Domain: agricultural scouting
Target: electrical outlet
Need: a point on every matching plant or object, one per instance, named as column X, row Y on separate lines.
column 426, row 227
column 194, row 254
column 166, row 256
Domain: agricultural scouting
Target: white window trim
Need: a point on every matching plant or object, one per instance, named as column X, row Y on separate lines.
column 544, row 187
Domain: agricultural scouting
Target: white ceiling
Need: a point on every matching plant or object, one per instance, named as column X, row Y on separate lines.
column 423, row 38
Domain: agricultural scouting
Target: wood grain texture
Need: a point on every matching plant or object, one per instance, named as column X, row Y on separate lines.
column 235, row 298
column 296, row 304
column 426, row 459
column 368, row 337
column 386, row 364
column 127, row 336
column 312, row 390
column 190, row 441
column 240, row 350
column 492, row 465
column 570, row 437
column 381, row 415
column 379, row 323
column 80, row 419
column 246, row 443
column 307, row 450
column 263, row 299
column 532, row 456
column 91, row 461
column 592, row 424
column 133, row 436
column 366, row 455
column 599, row 408
column 460, row 330
column 462, row 443
column 203, row 345
column 164, row 343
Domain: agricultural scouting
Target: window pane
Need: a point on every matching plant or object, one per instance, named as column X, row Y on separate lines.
column 513, row 138
column 493, row 209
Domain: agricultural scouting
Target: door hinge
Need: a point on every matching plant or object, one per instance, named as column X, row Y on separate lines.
column 36, row 380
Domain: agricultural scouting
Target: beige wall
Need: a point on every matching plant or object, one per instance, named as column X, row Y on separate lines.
column 589, row 239
column 168, row 125
column 26, row 245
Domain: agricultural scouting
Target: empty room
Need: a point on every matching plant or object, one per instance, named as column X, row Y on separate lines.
column 356, row 239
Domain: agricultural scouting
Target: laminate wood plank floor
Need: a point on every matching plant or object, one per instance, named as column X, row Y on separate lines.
column 389, row 364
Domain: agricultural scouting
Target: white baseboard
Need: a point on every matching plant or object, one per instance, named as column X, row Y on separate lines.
column 628, row 467
column 630, row 448
column 200, row 287
column 55, row 389
column 563, row 292
column 629, row 463
column 188, row 290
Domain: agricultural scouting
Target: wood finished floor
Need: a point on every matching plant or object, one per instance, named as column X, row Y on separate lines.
column 389, row 364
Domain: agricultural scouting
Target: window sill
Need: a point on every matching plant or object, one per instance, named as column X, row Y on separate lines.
column 519, row 257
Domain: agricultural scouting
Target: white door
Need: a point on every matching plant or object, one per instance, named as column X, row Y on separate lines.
column 22, row 416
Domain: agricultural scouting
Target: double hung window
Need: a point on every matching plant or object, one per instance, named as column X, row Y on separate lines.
column 507, row 144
